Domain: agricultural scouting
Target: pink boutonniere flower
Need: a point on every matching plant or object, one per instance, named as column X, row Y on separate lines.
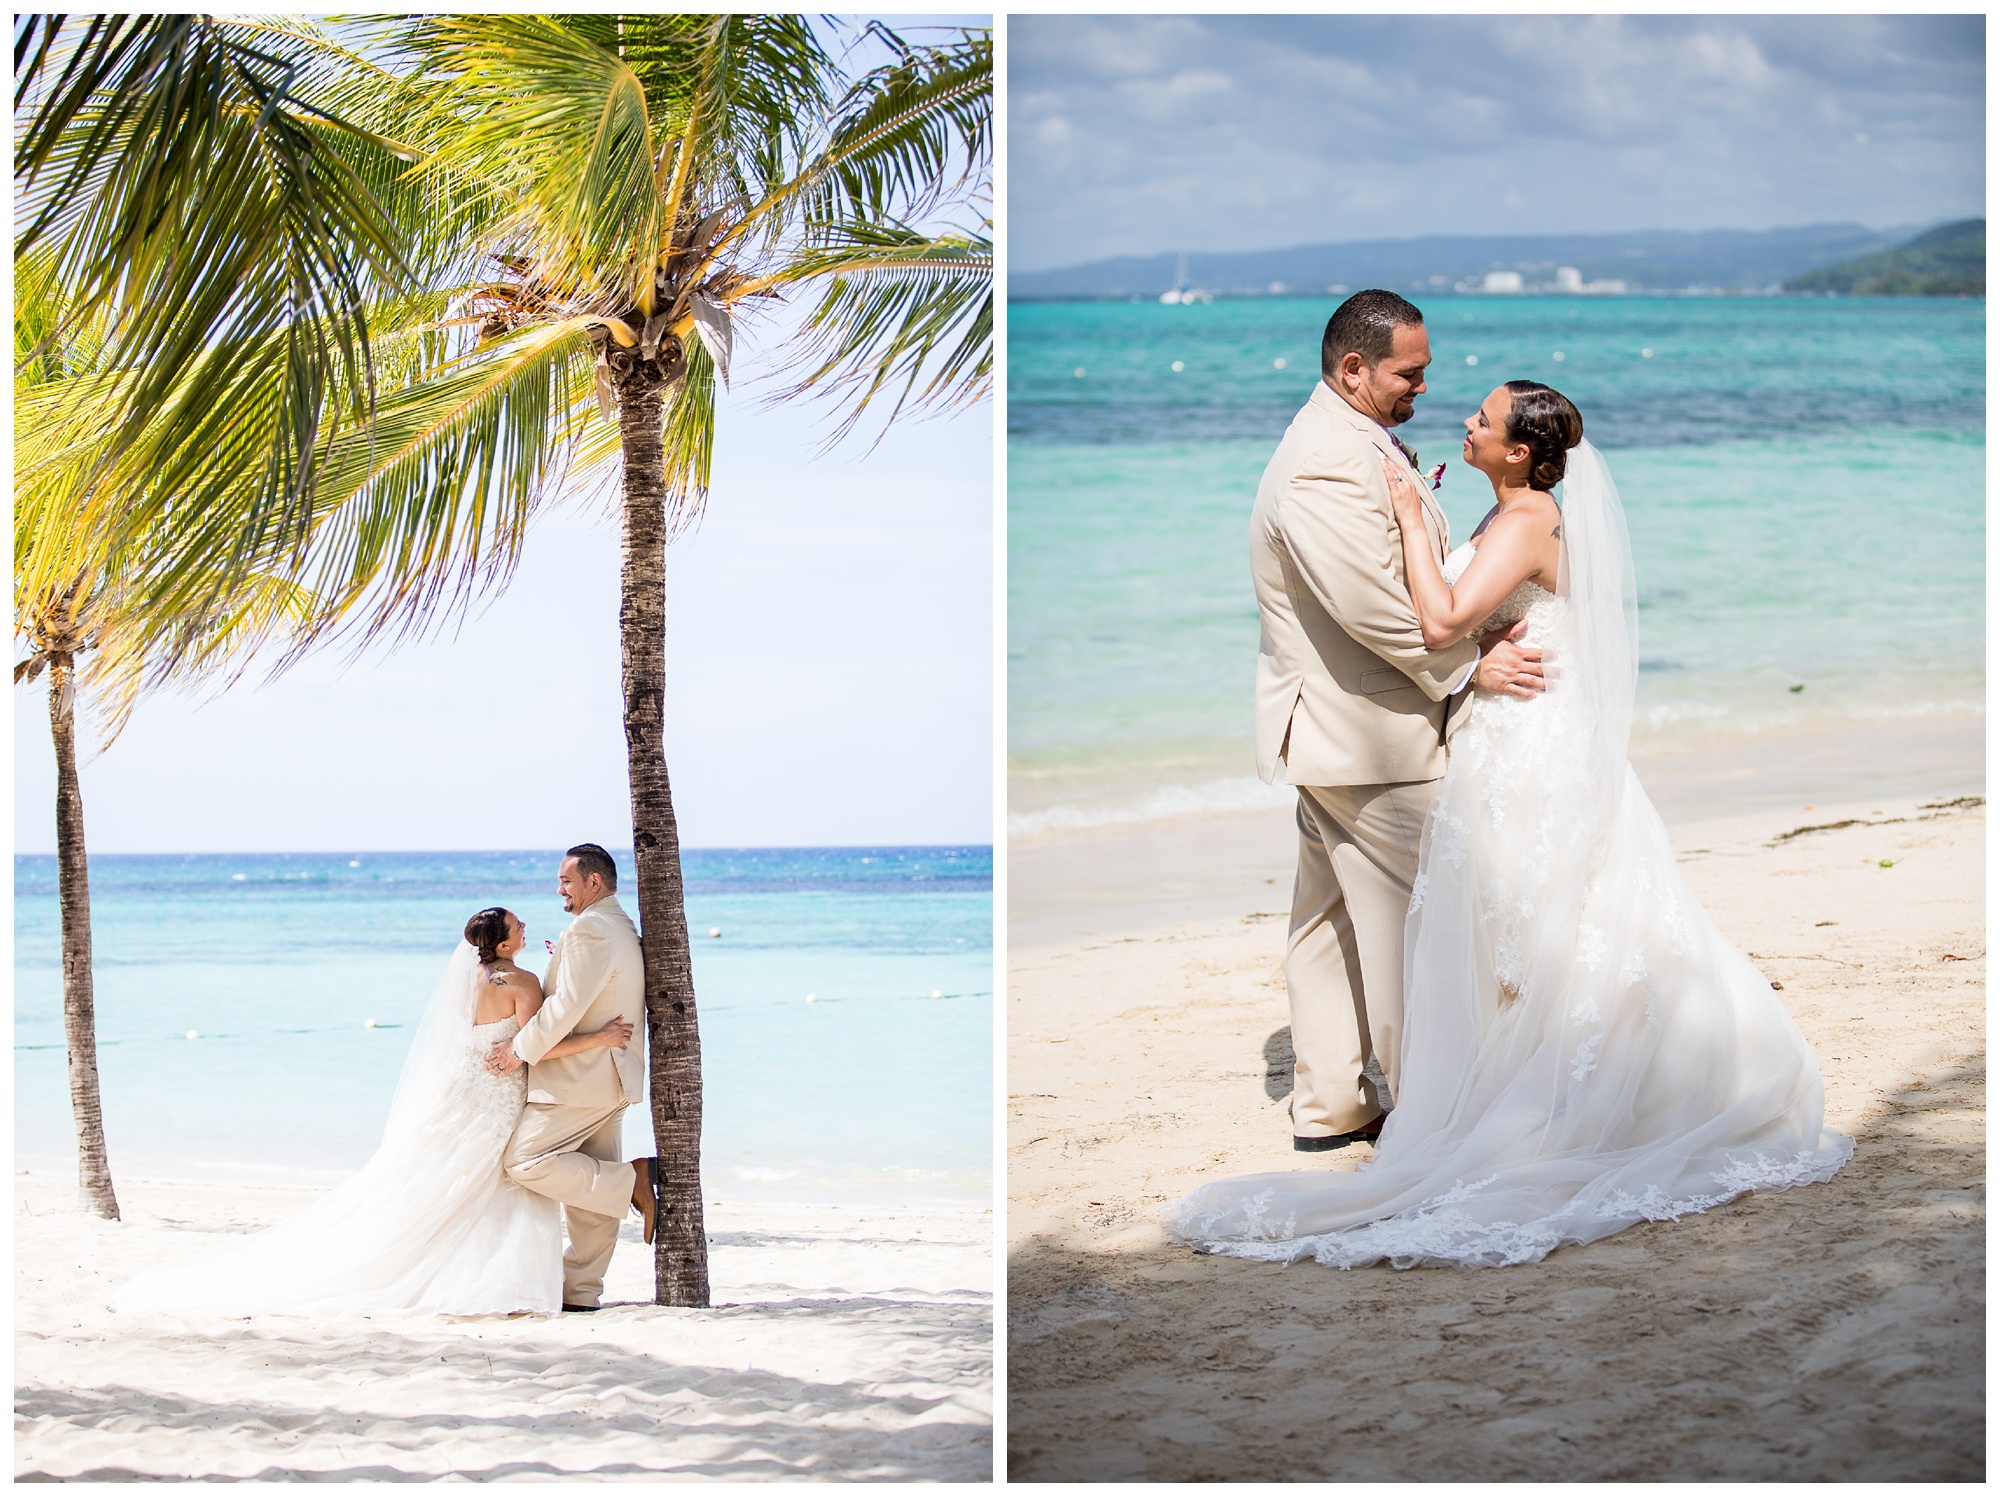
column 1436, row 476
column 549, row 947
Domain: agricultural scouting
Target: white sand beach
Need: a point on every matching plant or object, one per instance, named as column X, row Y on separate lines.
column 1834, row 1332
column 845, row 1343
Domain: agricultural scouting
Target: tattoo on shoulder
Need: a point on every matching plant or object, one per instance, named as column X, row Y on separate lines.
column 1557, row 532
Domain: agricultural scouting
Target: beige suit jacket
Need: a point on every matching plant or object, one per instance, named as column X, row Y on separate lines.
column 1347, row 693
column 597, row 972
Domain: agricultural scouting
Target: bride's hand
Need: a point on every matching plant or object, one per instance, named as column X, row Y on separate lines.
column 615, row 1035
column 1402, row 491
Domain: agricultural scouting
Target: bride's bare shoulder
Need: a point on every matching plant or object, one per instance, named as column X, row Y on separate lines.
column 519, row 978
column 1525, row 540
column 1531, row 515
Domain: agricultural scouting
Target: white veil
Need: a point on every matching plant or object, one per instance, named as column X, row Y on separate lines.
column 1602, row 671
column 437, row 1051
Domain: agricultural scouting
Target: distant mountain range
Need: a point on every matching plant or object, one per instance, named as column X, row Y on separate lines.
column 1647, row 260
column 1947, row 261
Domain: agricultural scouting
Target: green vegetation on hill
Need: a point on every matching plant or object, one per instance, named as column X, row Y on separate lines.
column 1946, row 261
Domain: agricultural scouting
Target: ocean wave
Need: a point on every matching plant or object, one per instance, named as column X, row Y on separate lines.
column 1237, row 793
column 1740, row 717
column 1669, row 721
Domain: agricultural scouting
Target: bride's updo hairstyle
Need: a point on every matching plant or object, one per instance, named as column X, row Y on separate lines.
column 487, row 930
column 1549, row 424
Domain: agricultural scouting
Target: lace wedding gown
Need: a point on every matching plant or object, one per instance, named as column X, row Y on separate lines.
column 1584, row 1049
column 428, row 1226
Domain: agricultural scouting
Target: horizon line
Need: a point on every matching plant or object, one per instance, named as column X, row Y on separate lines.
column 1279, row 249
column 354, row 852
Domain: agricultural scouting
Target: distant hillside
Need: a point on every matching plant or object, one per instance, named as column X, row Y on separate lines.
column 1948, row 261
column 1648, row 260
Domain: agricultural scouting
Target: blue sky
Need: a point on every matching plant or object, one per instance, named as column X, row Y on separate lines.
column 829, row 675
column 1142, row 134
column 829, row 683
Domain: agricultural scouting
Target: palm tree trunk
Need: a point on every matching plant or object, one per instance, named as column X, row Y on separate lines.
column 93, row 1166
column 673, row 1041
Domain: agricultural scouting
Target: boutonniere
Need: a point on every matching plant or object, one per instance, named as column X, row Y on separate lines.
column 1436, row 476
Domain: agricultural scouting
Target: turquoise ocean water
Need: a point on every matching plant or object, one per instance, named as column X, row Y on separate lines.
column 875, row 1091
column 1804, row 481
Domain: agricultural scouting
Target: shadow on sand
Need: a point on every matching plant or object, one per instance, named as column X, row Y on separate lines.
column 1829, row 1333
column 570, row 1410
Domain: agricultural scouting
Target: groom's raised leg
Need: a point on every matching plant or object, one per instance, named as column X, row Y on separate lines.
column 560, row 1152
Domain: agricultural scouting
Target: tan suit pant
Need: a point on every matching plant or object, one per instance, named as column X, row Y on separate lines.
column 571, row 1154
column 1344, row 959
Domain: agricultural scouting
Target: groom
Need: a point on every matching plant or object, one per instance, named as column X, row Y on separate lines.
column 1353, row 707
column 566, row 1144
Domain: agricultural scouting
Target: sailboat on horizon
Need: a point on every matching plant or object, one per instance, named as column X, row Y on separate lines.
column 1182, row 294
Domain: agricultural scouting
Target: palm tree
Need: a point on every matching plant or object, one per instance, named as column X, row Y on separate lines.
column 638, row 181
column 74, row 594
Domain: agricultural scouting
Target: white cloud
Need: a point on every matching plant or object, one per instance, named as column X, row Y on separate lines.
column 1230, row 133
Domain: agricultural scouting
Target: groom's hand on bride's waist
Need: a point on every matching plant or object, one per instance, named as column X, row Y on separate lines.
column 501, row 1059
column 1510, row 667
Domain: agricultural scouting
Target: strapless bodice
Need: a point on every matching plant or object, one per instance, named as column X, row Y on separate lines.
column 489, row 1094
column 1513, row 607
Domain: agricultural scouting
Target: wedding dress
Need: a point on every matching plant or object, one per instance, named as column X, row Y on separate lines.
column 1584, row 1049
column 429, row 1225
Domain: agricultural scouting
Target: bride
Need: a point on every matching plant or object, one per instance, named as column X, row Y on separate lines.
column 1584, row 1049
column 430, row 1225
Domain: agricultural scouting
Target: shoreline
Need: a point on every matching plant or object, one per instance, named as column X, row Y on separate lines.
column 279, row 1179
column 1073, row 880
column 1834, row 1332
column 1688, row 770
column 844, row 1342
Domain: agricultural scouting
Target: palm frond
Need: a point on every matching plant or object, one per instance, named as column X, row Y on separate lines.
column 135, row 653
column 908, row 134
column 426, row 507
column 897, row 309
column 688, row 440
column 80, row 590
column 561, row 127
column 744, row 100
column 172, row 165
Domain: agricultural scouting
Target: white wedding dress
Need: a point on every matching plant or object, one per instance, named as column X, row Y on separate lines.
column 429, row 1226
column 1584, row 1050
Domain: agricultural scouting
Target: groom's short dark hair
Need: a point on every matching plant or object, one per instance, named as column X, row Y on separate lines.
column 590, row 858
column 1366, row 324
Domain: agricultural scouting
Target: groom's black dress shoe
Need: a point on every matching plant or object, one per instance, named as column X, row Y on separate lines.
column 582, row 1309
column 1366, row 1134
